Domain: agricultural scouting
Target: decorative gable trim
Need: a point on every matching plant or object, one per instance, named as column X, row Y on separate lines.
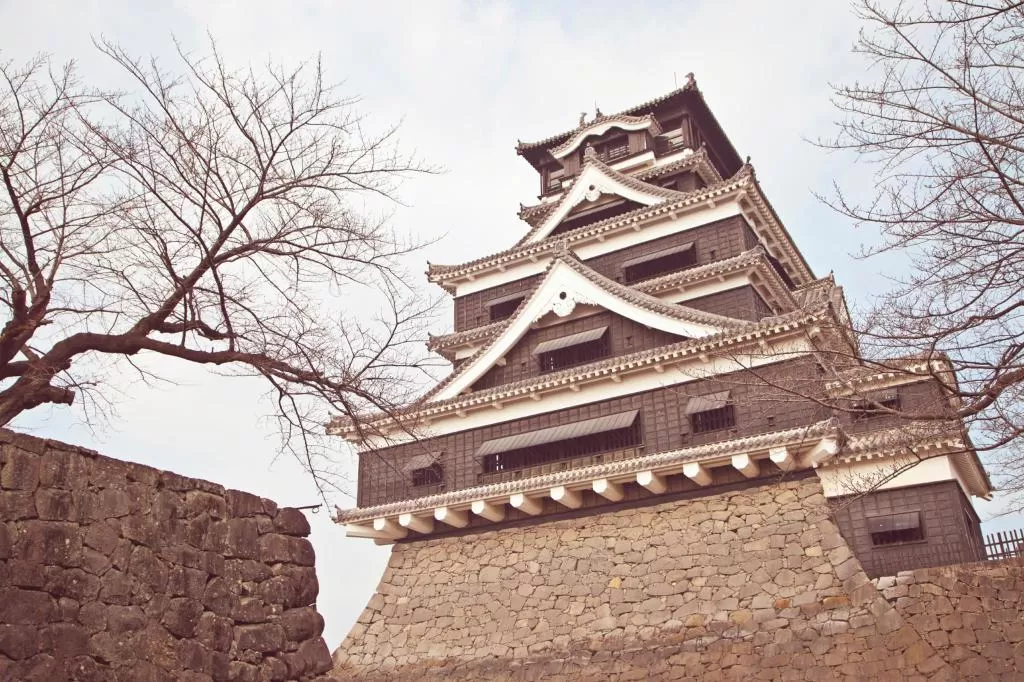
column 727, row 274
column 559, row 292
column 684, row 159
column 740, row 195
column 603, row 125
column 595, row 180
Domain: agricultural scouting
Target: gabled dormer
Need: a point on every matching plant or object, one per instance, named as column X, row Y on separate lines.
column 644, row 136
column 568, row 289
column 598, row 193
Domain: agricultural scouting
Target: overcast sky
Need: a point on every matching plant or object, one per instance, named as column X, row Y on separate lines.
column 467, row 79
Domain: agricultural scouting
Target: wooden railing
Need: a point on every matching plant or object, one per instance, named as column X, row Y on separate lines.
column 1004, row 545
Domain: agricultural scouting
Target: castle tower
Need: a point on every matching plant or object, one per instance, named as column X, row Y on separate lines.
column 656, row 336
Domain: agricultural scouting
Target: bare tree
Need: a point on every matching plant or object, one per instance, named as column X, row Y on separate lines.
column 941, row 117
column 208, row 215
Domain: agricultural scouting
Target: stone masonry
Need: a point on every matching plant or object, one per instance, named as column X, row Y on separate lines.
column 117, row 571
column 745, row 584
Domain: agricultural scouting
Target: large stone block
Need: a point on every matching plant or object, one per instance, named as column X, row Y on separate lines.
column 275, row 548
column 20, row 470
column 50, row 542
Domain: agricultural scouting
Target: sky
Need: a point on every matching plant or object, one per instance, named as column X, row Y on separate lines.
column 466, row 80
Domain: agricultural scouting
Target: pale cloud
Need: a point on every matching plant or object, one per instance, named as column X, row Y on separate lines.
column 467, row 80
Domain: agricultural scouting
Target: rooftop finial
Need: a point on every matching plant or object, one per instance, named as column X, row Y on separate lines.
column 583, row 119
column 597, row 112
column 691, row 81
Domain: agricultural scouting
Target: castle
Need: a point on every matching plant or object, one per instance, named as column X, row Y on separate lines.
column 654, row 339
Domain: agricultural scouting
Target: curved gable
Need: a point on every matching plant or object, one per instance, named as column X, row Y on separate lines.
column 566, row 285
column 602, row 126
column 595, row 180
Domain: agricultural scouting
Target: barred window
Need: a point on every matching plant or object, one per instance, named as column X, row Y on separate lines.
column 895, row 529
column 567, row 446
column 431, row 475
column 713, row 420
column 659, row 263
column 504, row 309
column 876, row 407
column 572, row 350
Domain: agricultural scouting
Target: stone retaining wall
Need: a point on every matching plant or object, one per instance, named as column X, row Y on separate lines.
column 746, row 584
column 973, row 614
column 116, row 571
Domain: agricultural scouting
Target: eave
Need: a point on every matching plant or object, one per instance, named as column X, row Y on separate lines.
column 742, row 187
column 921, row 440
column 753, row 261
column 685, row 159
column 659, row 360
column 879, row 374
column 790, row 449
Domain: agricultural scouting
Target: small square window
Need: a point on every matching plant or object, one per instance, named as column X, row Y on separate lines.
column 713, row 420
column 875, row 407
column 895, row 529
column 431, row 475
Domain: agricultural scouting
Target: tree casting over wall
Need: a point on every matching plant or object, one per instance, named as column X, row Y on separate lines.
column 206, row 215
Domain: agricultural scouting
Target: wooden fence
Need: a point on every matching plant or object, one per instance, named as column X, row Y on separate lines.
column 1004, row 545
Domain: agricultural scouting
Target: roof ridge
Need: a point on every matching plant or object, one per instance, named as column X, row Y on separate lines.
column 767, row 324
column 690, row 85
column 436, row 270
column 694, row 273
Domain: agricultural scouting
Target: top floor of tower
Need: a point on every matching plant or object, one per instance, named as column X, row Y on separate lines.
column 641, row 135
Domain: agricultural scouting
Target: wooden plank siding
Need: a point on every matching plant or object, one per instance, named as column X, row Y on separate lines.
column 952, row 531
column 625, row 336
column 758, row 409
column 714, row 241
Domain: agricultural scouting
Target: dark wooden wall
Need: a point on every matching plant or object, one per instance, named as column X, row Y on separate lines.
column 758, row 409
column 624, row 335
column 952, row 532
column 714, row 241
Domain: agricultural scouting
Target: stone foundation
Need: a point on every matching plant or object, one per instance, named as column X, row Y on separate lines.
column 116, row 571
column 751, row 584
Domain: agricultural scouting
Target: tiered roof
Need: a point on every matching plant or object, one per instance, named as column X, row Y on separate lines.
column 742, row 186
column 805, row 309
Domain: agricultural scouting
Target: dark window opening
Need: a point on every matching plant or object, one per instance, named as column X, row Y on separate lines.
column 674, row 260
column 609, row 150
column 895, row 529
column 578, row 354
column 897, row 537
column 570, row 448
column 713, row 420
column 504, row 309
column 876, row 407
column 431, row 475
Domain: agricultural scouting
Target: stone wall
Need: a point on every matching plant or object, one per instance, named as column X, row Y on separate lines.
column 116, row 571
column 749, row 583
column 971, row 613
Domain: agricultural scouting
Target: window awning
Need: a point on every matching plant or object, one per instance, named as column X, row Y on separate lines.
column 571, row 340
column 505, row 299
column 657, row 254
column 707, row 402
column 892, row 522
column 421, row 461
column 588, row 427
